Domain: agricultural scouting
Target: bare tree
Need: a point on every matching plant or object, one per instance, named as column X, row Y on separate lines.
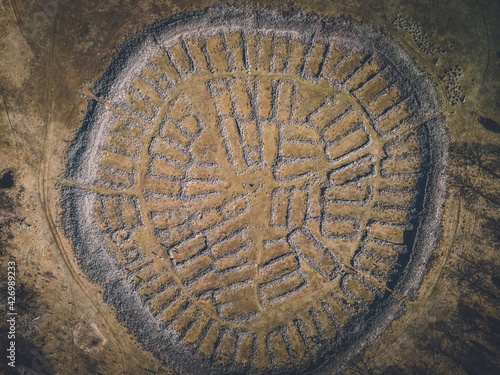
column 492, row 229
column 471, row 188
column 475, row 172
column 484, row 157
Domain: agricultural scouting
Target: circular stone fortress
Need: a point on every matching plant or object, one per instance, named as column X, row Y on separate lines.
column 258, row 192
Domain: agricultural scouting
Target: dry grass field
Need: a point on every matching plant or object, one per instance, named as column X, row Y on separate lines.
column 303, row 187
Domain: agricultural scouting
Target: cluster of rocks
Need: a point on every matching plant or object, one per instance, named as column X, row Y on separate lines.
column 418, row 34
column 163, row 309
column 453, row 89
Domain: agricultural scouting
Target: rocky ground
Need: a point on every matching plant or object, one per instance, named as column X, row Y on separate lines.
column 54, row 52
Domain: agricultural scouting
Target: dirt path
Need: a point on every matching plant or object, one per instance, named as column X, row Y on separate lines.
column 46, row 187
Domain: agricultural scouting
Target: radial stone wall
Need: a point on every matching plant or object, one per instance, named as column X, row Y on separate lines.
column 258, row 193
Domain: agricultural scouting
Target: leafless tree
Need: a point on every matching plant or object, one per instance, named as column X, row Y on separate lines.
column 475, row 172
column 484, row 157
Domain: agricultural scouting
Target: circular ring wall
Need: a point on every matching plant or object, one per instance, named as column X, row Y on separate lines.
column 257, row 192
